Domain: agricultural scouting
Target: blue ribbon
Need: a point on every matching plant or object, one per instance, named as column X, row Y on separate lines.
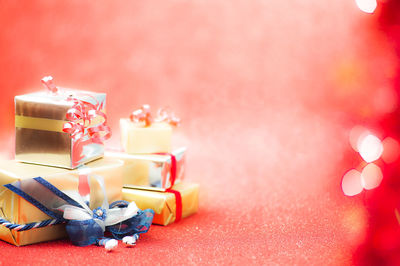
column 120, row 218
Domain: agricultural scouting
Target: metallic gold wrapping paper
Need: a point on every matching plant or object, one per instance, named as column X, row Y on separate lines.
column 150, row 171
column 17, row 210
column 39, row 120
column 163, row 203
column 136, row 138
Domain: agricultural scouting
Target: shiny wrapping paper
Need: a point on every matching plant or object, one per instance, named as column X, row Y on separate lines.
column 163, row 203
column 150, row 171
column 17, row 210
column 136, row 138
column 39, row 120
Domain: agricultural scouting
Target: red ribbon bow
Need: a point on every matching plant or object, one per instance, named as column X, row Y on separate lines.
column 143, row 114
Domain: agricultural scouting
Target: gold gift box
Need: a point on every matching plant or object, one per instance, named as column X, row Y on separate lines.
column 163, row 203
column 39, row 136
column 19, row 211
column 150, row 170
column 136, row 138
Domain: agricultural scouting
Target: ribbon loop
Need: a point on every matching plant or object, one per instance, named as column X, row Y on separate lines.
column 88, row 120
column 167, row 116
column 49, row 84
column 142, row 115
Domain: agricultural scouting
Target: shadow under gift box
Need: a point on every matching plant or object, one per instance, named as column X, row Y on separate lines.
column 39, row 136
column 138, row 139
column 150, row 170
column 163, row 203
column 19, row 211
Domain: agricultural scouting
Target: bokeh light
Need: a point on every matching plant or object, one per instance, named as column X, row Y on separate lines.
column 367, row 6
column 391, row 150
column 370, row 148
column 371, row 176
column 351, row 183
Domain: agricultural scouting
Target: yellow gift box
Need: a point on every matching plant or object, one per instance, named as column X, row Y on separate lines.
column 138, row 138
column 150, row 170
column 17, row 210
column 163, row 203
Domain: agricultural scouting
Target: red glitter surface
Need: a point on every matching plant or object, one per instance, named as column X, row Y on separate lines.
column 267, row 92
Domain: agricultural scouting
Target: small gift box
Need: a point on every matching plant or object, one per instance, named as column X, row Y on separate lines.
column 22, row 223
column 60, row 127
column 153, row 171
column 179, row 202
column 143, row 134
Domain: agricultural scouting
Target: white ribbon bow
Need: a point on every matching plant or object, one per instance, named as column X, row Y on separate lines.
column 113, row 216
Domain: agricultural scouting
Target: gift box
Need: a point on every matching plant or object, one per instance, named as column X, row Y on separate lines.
column 63, row 128
column 138, row 138
column 144, row 134
column 151, row 170
column 166, row 204
column 17, row 210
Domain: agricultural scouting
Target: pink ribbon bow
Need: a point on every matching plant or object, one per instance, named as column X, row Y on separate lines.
column 81, row 116
column 143, row 114
column 81, row 125
column 165, row 115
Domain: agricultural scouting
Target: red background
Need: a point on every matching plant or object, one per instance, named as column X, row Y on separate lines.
column 267, row 91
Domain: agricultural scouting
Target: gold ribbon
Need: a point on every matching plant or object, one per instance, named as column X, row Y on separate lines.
column 39, row 123
column 47, row 124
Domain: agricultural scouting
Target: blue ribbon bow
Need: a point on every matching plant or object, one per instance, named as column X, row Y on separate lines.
column 85, row 226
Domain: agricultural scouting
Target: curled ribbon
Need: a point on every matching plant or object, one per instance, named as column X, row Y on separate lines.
column 81, row 116
column 86, row 122
column 143, row 114
column 165, row 115
column 82, row 128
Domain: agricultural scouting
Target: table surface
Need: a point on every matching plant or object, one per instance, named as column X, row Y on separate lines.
column 267, row 92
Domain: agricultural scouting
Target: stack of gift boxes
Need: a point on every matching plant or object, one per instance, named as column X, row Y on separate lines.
column 153, row 170
column 55, row 143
